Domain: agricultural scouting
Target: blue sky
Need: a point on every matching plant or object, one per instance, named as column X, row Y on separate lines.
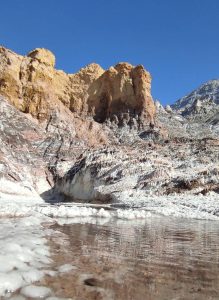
column 176, row 40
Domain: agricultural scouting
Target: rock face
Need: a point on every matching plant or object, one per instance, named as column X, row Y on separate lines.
column 50, row 115
column 34, row 154
column 97, row 136
column 22, row 166
column 122, row 89
column 34, row 86
column 183, row 160
column 115, row 174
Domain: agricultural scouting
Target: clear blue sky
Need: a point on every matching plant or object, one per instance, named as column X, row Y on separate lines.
column 176, row 40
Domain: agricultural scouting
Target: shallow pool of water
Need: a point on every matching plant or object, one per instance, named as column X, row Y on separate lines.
column 158, row 258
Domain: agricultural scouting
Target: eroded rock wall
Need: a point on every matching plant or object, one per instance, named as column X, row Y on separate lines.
column 34, row 86
column 122, row 89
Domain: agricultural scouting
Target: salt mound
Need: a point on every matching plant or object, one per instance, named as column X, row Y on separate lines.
column 36, row 291
column 10, row 282
column 66, row 268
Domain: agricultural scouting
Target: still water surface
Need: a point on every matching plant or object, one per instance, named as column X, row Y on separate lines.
column 158, row 258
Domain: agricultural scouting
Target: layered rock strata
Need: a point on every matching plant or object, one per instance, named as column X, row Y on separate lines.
column 188, row 167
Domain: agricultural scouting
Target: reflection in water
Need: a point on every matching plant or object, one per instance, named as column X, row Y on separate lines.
column 160, row 258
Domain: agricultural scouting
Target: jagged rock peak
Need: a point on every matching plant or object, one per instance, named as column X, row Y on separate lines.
column 33, row 85
column 168, row 108
column 122, row 66
column 90, row 72
column 43, row 56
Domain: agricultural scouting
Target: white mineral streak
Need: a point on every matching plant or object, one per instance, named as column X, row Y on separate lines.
column 66, row 268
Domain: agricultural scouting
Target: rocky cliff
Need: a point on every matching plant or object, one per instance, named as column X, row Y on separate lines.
column 48, row 117
column 33, row 85
column 98, row 136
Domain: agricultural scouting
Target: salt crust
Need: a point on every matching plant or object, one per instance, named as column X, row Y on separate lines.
column 25, row 256
column 23, row 252
column 56, row 298
column 19, row 297
column 34, row 291
column 66, row 268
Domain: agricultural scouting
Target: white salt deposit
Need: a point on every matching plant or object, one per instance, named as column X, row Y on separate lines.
column 66, row 268
column 56, row 298
column 18, row 191
column 32, row 275
column 201, row 207
column 73, row 211
column 131, row 214
column 34, row 291
column 189, row 206
column 186, row 206
column 19, row 297
column 23, row 251
column 10, row 282
column 197, row 207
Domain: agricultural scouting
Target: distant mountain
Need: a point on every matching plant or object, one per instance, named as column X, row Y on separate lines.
column 206, row 96
column 195, row 115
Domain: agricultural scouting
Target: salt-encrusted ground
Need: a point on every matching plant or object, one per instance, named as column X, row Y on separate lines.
column 24, row 251
column 25, row 256
column 131, row 205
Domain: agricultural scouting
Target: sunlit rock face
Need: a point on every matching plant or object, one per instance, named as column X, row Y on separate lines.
column 34, row 86
column 97, row 135
column 53, row 114
column 122, row 89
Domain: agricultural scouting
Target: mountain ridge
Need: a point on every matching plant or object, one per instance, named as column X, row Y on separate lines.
column 209, row 90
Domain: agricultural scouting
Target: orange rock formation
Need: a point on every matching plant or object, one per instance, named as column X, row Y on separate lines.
column 33, row 85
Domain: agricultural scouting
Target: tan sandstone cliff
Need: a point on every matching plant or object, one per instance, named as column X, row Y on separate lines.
column 33, row 85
